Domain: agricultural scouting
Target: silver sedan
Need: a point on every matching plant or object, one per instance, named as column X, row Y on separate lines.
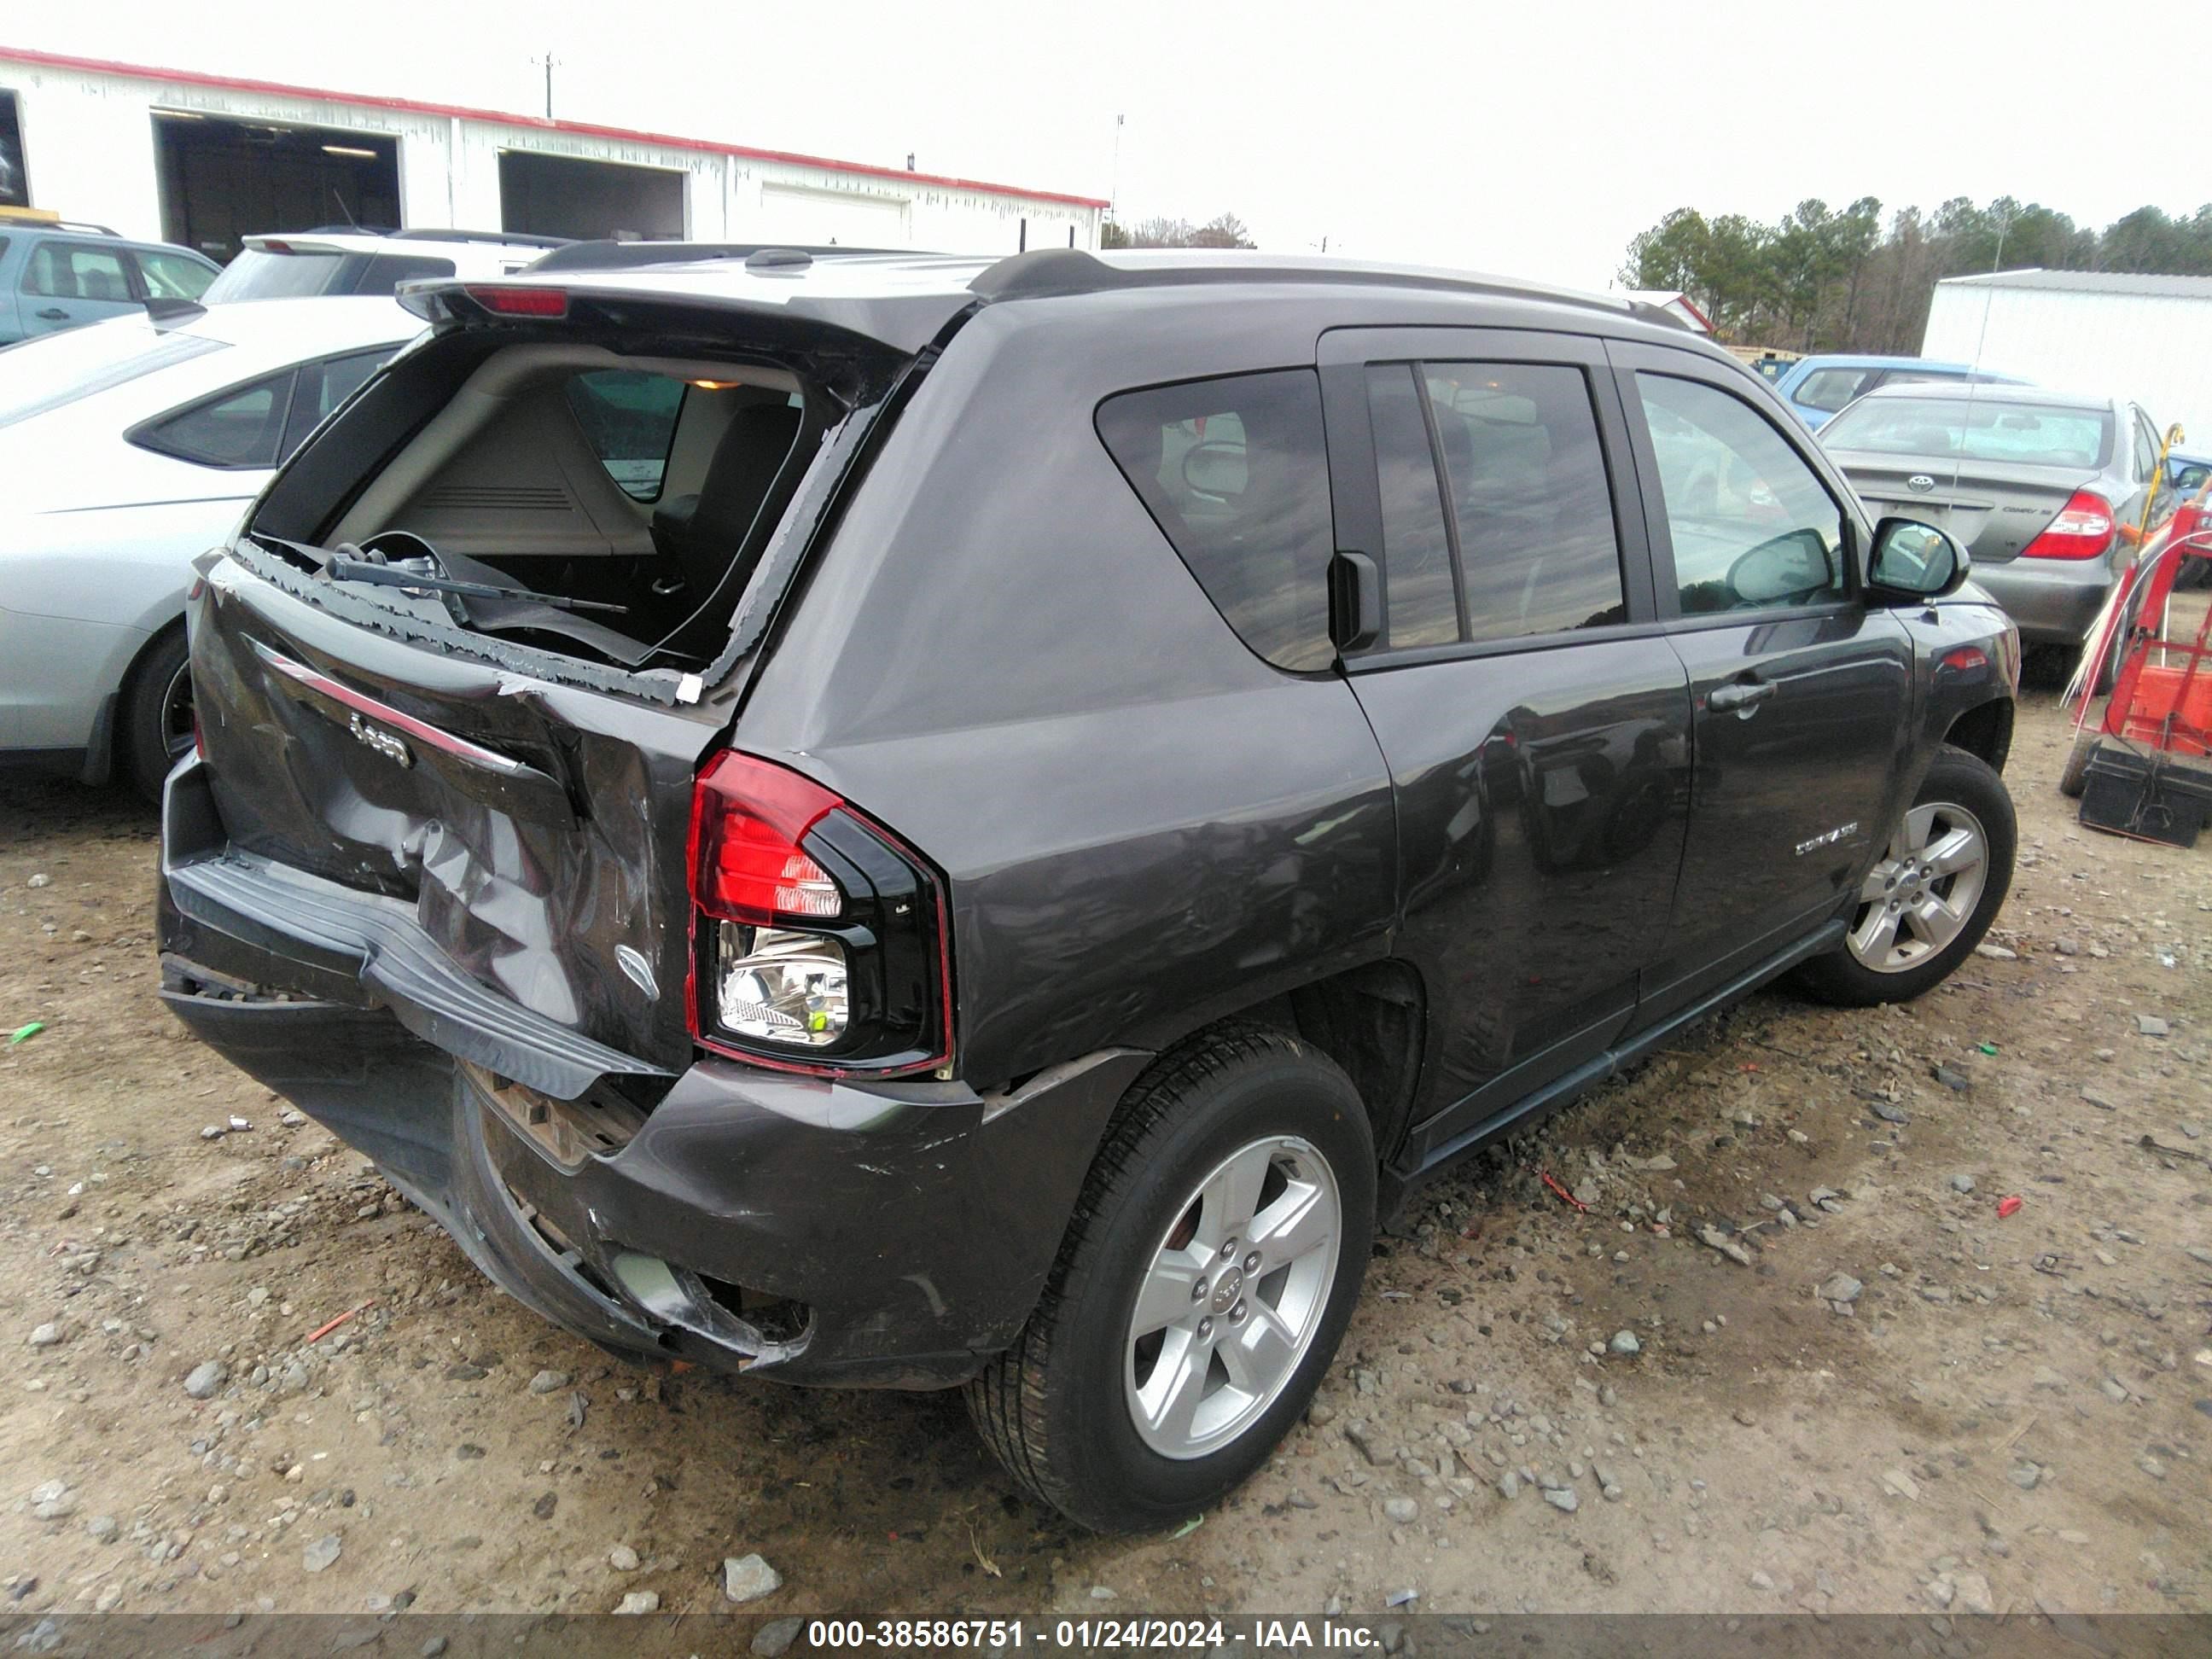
column 2043, row 487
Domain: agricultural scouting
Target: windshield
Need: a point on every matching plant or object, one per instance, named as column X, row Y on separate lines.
column 1830, row 389
column 1986, row 430
column 57, row 369
column 257, row 274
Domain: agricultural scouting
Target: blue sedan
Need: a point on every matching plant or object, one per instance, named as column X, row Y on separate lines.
column 1816, row 387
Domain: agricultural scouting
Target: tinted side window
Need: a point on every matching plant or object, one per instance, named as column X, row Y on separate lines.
column 1421, row 590
column 1752, row 526
column 381, row 273
column 241, row 428
column 1236, row 473
column 323, row 386
column 73, row 271
column 1525, row 475
column 630, row 417
column 2146, row 448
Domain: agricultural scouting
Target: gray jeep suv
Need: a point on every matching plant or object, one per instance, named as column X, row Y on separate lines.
column 913, row 822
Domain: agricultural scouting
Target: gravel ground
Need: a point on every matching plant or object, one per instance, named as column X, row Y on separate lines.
column 1790, row 1356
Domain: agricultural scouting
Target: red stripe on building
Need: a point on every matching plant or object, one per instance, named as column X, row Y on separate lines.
column 537, row 123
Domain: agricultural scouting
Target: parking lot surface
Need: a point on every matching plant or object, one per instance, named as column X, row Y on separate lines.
column 1799, row 1350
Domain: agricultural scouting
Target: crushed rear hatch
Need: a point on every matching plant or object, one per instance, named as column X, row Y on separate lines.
column 487, row 830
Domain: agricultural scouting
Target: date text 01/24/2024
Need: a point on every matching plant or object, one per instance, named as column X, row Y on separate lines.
column 1087, row 1635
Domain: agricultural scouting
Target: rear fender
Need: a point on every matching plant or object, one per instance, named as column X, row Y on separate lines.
column 1967, row 672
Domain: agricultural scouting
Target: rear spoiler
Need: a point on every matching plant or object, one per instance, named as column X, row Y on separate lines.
column 614, row 255
column 902, row 323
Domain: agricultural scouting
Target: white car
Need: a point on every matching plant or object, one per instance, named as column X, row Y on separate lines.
column 129, row 448
column 333, row 262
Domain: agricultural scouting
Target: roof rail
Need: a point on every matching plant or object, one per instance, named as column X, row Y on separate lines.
column 515, row 238
column 1044, row 273
column 30, row 218
column 610, row 255
column 27, row 221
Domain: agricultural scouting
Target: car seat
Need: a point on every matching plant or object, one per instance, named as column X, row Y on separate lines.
column 705, row 534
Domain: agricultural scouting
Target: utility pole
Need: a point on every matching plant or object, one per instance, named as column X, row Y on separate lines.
column 1114, row 190
column 548, row 61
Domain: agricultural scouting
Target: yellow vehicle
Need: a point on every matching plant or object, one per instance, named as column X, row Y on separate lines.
column 1769, row 361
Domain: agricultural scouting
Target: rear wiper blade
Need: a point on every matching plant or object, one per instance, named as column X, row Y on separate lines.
column 341, row 569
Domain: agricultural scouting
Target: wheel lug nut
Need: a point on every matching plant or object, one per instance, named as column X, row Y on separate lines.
column 1252, row 1262
column 1236, row 1314
column 1205, row 1329
column 1198, row 1292
column 1228, row 1250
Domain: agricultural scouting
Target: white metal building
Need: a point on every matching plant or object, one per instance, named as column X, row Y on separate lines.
column 2145, row 338
column 205, row 159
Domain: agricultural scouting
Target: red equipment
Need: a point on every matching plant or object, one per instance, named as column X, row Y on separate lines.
column 2133, row 768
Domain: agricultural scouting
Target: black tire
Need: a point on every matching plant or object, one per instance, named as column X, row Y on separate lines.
column 2047, row 667
column 1053, row 1407
column 1959, row 778
column 151, row 739
column 2074, row 776
column 2108, row 673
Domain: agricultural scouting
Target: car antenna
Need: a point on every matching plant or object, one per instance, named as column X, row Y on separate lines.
column 345, row 211
column 1974, row 369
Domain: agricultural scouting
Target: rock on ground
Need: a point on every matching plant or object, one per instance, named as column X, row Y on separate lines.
column 748, row 1578
column 205, row 1379
column 774, row 1639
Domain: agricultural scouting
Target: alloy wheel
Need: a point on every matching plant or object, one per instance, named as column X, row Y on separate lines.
column 1923, row 890
column 1233, row 1298
column 177, row 712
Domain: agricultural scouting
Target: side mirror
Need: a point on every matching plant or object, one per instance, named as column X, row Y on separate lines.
column 1916, row 561
column 2190, row 479
column 1215, row 469
column 1792, row 568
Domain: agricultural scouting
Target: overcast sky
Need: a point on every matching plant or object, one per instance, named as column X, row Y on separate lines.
column 1533, row 139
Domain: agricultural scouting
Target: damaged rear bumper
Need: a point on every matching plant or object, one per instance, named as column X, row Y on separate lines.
column 861, row 1234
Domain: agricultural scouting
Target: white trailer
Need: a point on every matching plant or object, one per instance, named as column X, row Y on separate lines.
column 2147, row 338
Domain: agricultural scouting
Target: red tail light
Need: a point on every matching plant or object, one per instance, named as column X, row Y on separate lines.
column 819, row 940
column 520, row 301
column 748, row 819
column 2082, row 530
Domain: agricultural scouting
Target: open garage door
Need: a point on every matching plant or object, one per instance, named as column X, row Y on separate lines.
column 567, row 196
column 224, row 179
column 830, row 218
column 15, row 181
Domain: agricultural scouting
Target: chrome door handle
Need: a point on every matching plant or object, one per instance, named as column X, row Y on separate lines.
column 1742, row 696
